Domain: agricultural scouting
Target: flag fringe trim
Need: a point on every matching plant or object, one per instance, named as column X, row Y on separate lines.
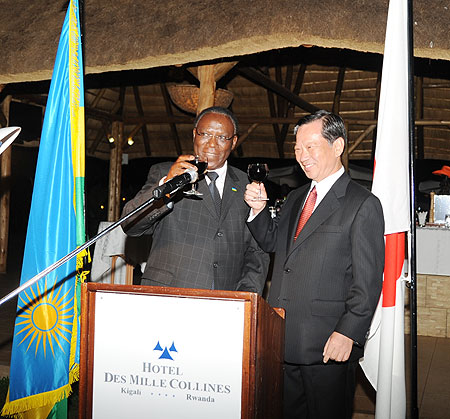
column 17, row 407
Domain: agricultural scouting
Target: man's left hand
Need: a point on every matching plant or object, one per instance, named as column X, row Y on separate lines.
column 337, row 348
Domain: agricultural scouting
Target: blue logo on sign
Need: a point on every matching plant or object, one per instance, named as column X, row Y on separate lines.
column 165, row 352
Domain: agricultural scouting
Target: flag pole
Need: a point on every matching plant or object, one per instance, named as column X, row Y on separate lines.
column 81, row 13
column 158, row 213
column 414, row 413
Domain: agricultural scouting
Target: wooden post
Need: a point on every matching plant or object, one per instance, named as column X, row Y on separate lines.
column 5, row 194
column 207, row 87
column 220, row 69
column 207, row 75
column 115, row 172
column 4, row 206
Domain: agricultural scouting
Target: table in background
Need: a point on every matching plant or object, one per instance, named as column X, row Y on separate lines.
column 433, row 250
column 116, row 254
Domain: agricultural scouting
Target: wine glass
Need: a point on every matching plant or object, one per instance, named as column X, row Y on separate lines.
column 258, row 172
column 201, row 165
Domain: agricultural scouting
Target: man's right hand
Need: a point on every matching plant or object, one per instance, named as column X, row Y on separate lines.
column 180, row 166
column 251, row 197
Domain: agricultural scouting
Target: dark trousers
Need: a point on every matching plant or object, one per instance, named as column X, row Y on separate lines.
column 319, row 391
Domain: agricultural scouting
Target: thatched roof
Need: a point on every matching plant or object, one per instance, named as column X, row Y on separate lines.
column 151, row 39
column 137, row 34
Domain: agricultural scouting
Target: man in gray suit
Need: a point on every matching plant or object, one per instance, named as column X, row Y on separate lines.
column 329, row 259
column 202, row 243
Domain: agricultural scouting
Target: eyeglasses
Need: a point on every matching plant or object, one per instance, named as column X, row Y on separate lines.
column 206, row 136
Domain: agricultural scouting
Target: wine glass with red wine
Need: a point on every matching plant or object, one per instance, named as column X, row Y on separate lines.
column 258, row 172
column 201, row 165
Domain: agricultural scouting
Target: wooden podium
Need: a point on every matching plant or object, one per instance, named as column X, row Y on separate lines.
column 171, row 353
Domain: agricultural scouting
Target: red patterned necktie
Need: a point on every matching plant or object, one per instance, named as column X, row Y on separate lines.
column 307, row 211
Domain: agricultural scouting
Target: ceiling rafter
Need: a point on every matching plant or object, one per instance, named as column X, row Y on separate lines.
column 276, row 128
column 173, row 127
column 296, row 91
column 137, row 99
column 258, row 77
column 338, row 91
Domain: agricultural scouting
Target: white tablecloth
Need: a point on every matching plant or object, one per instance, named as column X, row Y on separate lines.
column 132, row 250
column 433, row 250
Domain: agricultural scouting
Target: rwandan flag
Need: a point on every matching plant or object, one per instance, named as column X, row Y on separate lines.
column 44, row 360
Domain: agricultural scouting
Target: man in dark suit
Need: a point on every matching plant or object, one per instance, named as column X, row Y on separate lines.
column 329, row 259
column 202, row 243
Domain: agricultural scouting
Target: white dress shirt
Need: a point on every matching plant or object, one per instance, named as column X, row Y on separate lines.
column 220, row 181
column 322, row 188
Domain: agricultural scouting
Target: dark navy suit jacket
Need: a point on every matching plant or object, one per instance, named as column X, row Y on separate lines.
column 330, row 278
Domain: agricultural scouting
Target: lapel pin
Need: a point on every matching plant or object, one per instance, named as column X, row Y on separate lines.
column 234, row 189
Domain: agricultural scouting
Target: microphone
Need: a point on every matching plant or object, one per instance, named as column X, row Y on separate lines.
column 7, row 136
column 172, row 185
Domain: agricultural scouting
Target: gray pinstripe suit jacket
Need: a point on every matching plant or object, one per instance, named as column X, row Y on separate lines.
column 192, row 247
column 330, row 279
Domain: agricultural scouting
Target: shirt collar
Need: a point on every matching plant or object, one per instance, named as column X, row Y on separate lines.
column 325, row 185
column 220, row 181
column 221, row 171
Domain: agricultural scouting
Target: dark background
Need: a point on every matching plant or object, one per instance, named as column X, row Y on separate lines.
column 134, row 175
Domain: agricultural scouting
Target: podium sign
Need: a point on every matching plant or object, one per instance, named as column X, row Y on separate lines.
column 183, row 355
column 177, row 353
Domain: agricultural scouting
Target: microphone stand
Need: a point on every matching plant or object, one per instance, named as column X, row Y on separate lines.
column 73, row 253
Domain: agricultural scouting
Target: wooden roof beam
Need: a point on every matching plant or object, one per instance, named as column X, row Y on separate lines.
column 259, row 78
column 283, row 105
column 276, row 129
column 173, row 127
column 291, row 106
column 220, row 69
column 120, row 104
column 360, row 139
column 98, row 97
column 244, row 136
column 137, row 99
column 32, row 99
column 116, row 113
column 337, row 94
column 257, row 119
column 102, row 133
column 102, row 115
column 280, row 100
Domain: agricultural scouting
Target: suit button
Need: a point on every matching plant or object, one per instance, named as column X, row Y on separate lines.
column 219, row 234
column 287, row 270
column 215, row 265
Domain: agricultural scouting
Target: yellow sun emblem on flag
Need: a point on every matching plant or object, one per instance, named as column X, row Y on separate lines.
column 46, row 316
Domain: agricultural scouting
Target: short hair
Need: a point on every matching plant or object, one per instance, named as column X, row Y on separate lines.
column 332, row 125
column 221, row 111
